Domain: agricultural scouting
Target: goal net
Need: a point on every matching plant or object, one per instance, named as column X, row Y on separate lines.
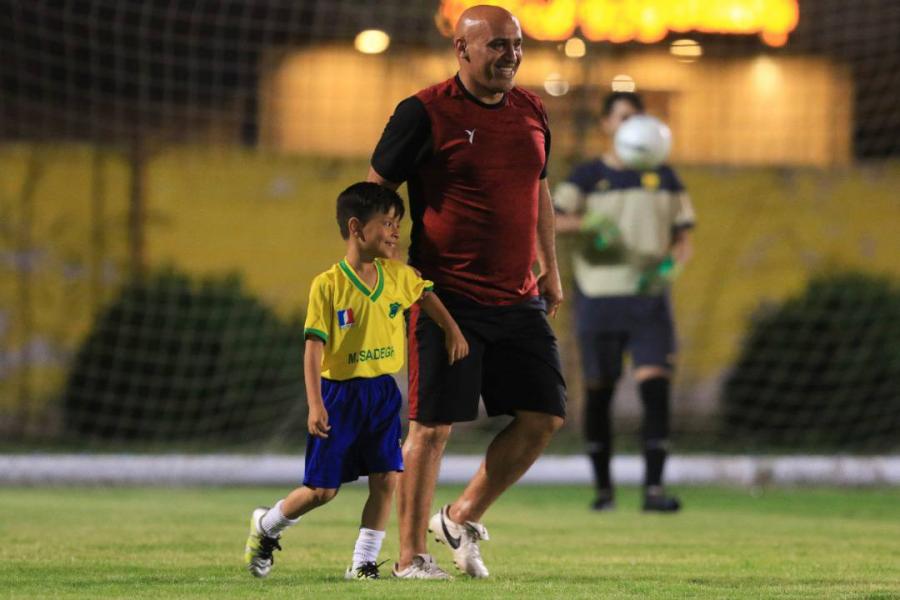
column 168, row 171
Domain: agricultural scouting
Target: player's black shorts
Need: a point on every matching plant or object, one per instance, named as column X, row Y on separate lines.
column 513, row 363
column 607, row 326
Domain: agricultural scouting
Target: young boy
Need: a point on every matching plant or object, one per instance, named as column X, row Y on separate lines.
column 355, row 336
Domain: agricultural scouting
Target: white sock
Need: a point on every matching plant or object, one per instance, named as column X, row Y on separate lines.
column 368, row 545
column 274, row 521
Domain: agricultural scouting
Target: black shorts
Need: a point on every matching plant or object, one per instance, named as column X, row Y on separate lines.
column 513, row 363
column 607, row 326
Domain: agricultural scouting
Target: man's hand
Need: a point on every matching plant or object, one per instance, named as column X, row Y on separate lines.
column 318, row 421
column 550, row 287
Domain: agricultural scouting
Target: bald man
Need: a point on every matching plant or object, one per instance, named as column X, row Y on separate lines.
column 473, row 152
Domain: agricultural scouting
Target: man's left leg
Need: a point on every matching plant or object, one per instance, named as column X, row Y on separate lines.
column 509, row 456
column 654, row 383
column 521, row 376
column 652, row 346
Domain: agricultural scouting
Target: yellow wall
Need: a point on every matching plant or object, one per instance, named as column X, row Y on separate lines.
column 268, row 217
column 53, row 273
column 762, row 233
column 764, row 110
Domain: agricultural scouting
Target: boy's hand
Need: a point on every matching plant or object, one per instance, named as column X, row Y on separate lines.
column 318, row 422
column 456, row 344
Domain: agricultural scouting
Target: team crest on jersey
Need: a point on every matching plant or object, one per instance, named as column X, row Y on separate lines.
column 395, row 308
column 345, row 318
column 650, row 180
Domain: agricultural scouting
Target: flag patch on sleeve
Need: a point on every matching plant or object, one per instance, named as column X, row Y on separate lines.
column 345, row 318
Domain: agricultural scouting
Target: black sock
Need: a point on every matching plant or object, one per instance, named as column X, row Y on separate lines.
column 655, row 459
column 655, row 396
column 598, row 434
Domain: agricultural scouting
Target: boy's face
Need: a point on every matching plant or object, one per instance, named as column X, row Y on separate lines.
column 621, row 111
column 381, row 234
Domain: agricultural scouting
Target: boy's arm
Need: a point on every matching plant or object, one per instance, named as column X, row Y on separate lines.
column 317, row 422
column 682, row 247
column 568, row 223
column 454, row 340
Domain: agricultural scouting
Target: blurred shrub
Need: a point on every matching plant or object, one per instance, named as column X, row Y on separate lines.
column 822, row 369
column 179, row 358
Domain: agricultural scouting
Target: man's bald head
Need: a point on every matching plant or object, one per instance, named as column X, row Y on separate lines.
column 480, row 16
column 488, row 44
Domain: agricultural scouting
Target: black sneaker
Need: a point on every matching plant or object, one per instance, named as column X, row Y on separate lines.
column 604, row 501
column 661, row 503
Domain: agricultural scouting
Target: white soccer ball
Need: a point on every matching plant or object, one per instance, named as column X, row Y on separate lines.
column 643, row 142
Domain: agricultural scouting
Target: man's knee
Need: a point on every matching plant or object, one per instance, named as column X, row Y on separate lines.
column 542, row 424
column 432, row 435
column 646, row 372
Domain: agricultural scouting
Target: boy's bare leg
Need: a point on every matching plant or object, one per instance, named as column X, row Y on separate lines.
column 377, row 510
column 304, row 499
column 422, row 453
column 373, row 523
column 266, row 525
column 509, row 456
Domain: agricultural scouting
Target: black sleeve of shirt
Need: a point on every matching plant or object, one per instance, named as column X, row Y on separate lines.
column 405, row 143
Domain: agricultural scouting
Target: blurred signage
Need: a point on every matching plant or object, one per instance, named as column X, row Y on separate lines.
column 644, row 21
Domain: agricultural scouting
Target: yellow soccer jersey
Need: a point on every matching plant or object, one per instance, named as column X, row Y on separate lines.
column 363, row 330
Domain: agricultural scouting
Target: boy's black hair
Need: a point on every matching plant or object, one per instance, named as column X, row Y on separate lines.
column 364, row 200
column 631, row 97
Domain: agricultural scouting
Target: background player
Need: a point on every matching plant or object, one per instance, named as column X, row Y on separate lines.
column 622, row 297
column 473, row 151
column 355, row 336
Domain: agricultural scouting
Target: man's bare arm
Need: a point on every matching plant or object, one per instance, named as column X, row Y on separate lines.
column 548, row 283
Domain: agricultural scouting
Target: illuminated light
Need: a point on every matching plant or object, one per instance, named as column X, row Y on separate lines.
column 372, row 41
column 686, row 50
column 575, row 47
column 776, row 40
column 596, row 22
column 540, row 20
column 782, row 17
column 556, row 85
column 623, row 83
column 766, row 74
column 646, row 21
column 741, row 19
column 652, row 24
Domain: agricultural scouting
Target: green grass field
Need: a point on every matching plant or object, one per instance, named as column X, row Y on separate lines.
column 187, row 543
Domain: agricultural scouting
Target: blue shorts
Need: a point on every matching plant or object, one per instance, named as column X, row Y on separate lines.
column 364, row 415
column 607, row 326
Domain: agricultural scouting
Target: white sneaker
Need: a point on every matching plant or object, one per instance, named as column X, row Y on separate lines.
column 422, row 567
column 367, row 570
column 462, row 540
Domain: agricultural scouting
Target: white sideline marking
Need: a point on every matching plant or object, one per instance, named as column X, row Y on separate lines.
column 287, row 470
